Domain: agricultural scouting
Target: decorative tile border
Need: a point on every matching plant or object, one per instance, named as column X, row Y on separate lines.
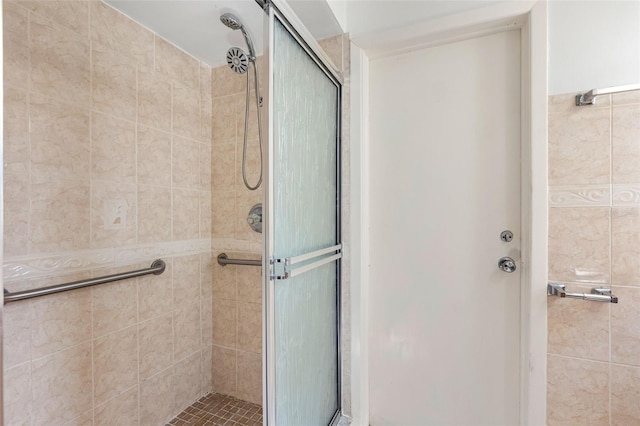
column 231, row 244
column 580, row 196
column 627, row 195
column 41, row 265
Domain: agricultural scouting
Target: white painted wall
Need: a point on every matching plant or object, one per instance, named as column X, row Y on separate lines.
column 593, row 44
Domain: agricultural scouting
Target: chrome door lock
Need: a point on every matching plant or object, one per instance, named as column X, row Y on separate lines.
column 507, row 264
column 506, row 236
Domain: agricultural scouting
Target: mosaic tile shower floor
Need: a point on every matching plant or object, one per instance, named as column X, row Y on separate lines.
column 217, row 409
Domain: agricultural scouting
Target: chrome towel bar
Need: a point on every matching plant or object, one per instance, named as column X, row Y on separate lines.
column 223, row 260
column 596, row 295
column 589, row 98
column 157, row 267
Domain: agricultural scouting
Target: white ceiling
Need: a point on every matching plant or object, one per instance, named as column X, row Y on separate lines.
column 195, row 27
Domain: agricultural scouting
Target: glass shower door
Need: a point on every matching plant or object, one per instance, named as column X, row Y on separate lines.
column 303, row 236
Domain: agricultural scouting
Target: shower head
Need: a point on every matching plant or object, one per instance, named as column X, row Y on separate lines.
column 238, row 60
column 233, row 22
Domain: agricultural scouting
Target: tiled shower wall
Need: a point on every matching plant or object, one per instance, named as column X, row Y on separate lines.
column 237, row 290
column 107, row 152
column 594, row 241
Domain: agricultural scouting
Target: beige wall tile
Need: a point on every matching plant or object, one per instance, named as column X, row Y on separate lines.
column 205, row 214
column 252, row 123
column 625, row 327
column 224, row 281
column 187, row 333
column 73, row 14
column 60, row 320
column 206, row 275
column 114, row 305
column 15, row 44
column 205, row 166
column 205, row 104
column 61, row 385
column 250, row 327
column 16, row 131
column 223, row 163
column 579, row 244
column 624, row 98
column 154, row 99
column 115, row 364
column 155, row 343
column 113, row 83
column 625, row 395
column 186, row 214
column 121, row 410
column 225, row 207
column 154, row 157
column 84, row 419
column 224, row 370
column 577, row 392
column 250, row 377
column 157, row 404
column 114, row 30
column 18, row 406
column 16, row 148
column 332, row 46
column 113, row 214
column 154, row 214
column 223, row 117
column 176, row 64
column 187, row 381
column 250, row 285
column 569, row 322
column 186, row 163
column 625, row 246
column 567, row 103
column 186, row 111
column 155, row 293
column 59, row 62
column 224, row 323
column 16, row 329
column 207, row 370
column 59, row 140
column 206, row 322
column 226, row 82
column 579, row 147
column 113, row 149
column 625, row 140
column 186, row 281
column 16, row 204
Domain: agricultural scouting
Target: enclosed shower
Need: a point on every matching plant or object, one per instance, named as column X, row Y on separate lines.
column 137, row 290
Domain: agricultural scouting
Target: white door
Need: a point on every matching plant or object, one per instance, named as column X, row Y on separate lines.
column 444, row 341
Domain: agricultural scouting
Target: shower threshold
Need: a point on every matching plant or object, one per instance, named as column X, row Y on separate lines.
column 218, row 409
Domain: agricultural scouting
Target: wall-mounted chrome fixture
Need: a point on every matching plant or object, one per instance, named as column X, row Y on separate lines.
column 589, row 98
column 596, row 295
column 254, row 219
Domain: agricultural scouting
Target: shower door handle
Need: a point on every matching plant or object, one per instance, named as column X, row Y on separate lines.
column 507, row 264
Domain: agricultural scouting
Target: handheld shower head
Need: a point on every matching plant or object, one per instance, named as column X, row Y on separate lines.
column 233, row 22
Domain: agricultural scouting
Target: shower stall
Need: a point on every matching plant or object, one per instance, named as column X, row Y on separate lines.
column 125, row 146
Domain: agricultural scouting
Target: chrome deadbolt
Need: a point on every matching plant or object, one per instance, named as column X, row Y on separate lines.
column 507, row 264
column 506, row 236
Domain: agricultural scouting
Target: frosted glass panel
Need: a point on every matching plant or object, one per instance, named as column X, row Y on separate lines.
column 305, row 110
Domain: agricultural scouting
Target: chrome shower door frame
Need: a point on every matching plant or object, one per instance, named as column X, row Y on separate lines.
column 280, row 11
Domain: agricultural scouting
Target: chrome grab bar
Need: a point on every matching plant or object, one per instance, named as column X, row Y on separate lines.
column 157, row 267
column 223, row 260
column 289, row 272
column 596, row 295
